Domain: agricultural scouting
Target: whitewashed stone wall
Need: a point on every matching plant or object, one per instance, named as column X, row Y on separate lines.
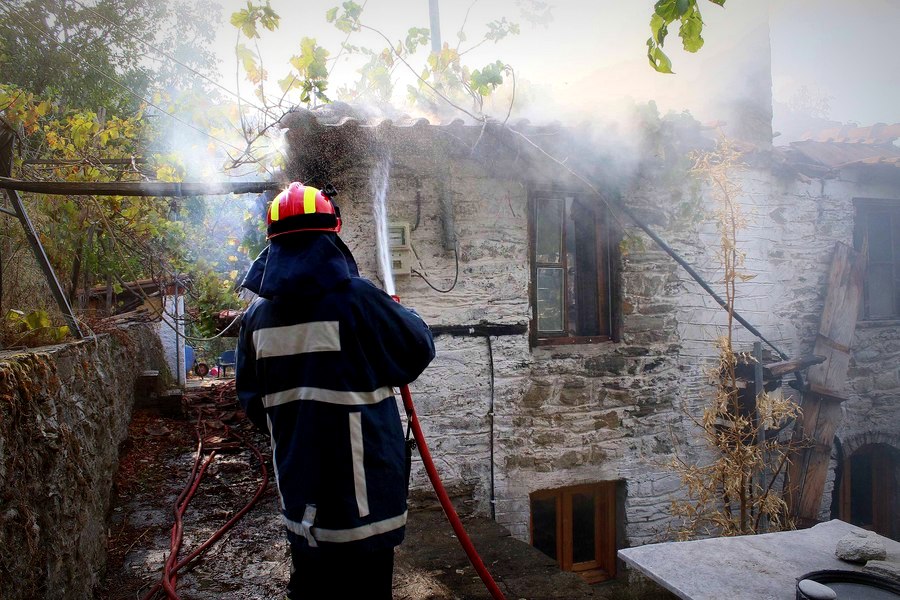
column 566, row 415
column 789, row 242
column 171, row 334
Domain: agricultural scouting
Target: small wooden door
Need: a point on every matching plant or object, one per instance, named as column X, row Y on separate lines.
column 868, row 493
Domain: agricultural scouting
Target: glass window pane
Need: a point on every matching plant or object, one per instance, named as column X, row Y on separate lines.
column 586, row 291
column 549, row 299
column 880, row 237
column 880, row 286
column 543, row 525
column 583, row 528
column 548, row 230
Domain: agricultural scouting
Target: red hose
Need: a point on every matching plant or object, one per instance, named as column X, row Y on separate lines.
column 438, row 486
column 215, row 536
column 169, row 579
column 171, row 568
column 457, row 525
column 170, row 575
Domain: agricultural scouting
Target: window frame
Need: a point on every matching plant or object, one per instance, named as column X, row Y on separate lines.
column 604, row 248
column 864, row 208
column 603, row 566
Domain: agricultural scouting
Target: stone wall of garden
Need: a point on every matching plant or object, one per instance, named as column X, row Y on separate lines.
column 64, row 410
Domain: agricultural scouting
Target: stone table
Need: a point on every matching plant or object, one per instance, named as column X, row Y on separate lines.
column 750, row 567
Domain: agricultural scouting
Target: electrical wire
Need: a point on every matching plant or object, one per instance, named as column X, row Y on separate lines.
column 10, row 10
column 432, row 286
column 161, row 313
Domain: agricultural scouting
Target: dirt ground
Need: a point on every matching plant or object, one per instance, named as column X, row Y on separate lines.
column 251, row 560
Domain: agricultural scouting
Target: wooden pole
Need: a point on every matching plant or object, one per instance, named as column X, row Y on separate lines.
column 138, row 188
column 44, row 263
column 435, row 23
column 821, row 407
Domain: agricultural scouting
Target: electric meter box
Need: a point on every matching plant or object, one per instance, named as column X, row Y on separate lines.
column 400, row 248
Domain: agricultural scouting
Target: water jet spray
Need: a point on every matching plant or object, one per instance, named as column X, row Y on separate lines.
column 380, row 185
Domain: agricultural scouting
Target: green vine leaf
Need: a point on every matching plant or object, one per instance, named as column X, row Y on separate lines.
column 415, row 37
column 658, row 58
column 288, row 83
column 348, row 19
column 497, row 30
column 690, row 30
column 486, row 80
column 658, row 28
column 247, row 19
column 312, row 71
column 667, row 9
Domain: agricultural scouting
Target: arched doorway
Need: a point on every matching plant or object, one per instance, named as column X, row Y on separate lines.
column 868, row 489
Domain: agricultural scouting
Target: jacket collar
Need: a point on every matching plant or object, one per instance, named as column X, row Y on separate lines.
column 300, row 264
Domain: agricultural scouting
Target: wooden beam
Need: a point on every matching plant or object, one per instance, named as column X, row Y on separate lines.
column 821, row 408
column 784, row 367
column 69, row 162
column 818, row 455
column 139, row 188
column 838, row 325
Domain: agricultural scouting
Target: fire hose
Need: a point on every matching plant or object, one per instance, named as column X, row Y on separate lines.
column 444, row 499
column 172, row 565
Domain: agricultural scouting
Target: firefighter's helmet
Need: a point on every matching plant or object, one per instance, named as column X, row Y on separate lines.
column 303, row 208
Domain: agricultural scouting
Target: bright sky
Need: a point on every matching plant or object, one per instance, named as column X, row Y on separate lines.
column 593, row 52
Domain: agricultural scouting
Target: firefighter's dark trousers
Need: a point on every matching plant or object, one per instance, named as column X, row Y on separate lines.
column 341, row 574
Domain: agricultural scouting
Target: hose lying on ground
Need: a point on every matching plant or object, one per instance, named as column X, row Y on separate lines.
column 229, row 441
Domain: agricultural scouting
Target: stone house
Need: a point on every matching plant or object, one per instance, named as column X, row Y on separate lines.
column 570, row 348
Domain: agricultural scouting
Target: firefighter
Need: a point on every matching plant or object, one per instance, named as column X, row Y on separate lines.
column 318, row 354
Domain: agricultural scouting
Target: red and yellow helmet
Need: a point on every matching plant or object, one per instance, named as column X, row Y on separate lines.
column 302, row 208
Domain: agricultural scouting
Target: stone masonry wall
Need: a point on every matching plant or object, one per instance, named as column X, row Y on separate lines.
column 64, row 410
column 872, row 410
column 562, row 415
column 567, row 415
column 792, row 227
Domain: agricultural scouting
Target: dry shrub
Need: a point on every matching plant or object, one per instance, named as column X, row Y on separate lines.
column 737, row 493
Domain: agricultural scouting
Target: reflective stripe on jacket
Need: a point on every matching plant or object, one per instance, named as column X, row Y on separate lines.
column 316, row 364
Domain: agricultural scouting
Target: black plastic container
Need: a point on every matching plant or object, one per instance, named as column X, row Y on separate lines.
column 853, row 585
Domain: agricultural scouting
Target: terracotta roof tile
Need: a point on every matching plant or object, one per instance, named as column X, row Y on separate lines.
column 877, row 134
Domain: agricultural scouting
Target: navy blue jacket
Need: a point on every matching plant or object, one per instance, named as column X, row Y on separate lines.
column 318, row 355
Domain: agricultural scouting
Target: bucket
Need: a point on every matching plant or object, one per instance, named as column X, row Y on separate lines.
column 846, row 585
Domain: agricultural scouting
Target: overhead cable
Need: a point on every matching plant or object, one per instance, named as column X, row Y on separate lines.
column 176, row 61
column 13, row 11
